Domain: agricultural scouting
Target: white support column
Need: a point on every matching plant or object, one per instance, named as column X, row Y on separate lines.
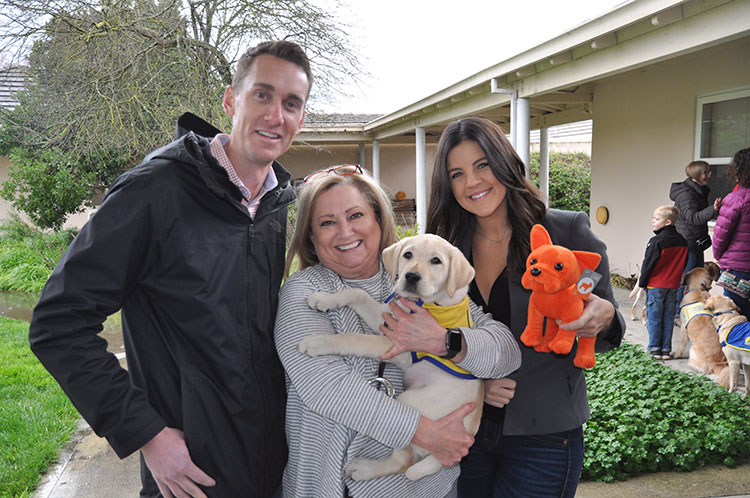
column 544, row 163
column 362, row 156
column 421, row 164
column 521, row 135
column 514, row 121
column 376, row 160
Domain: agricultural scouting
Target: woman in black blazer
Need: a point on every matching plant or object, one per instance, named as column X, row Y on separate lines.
column 531, row 439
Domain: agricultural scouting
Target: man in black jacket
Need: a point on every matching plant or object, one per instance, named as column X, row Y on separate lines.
column 190, row 246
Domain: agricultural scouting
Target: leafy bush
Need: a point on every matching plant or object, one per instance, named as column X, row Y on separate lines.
column 623, row 282
column 47, row 186
column 28, row 255
column 403, row 232
column 646, row 417
column 569, row 179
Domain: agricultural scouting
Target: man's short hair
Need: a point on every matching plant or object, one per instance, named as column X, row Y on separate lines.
column 695, row 168
column 283, row 49
column 668, row 212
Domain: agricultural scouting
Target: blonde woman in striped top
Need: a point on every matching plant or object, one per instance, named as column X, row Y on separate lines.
column 333, row 415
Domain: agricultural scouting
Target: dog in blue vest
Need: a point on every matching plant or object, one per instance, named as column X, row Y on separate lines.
column 733, row 331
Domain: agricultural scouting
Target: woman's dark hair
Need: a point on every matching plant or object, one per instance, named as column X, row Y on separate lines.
column 445, row 217
column 739, row 168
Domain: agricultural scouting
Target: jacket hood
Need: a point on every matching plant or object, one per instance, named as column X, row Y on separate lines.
column 687, row 185
column 190, row 122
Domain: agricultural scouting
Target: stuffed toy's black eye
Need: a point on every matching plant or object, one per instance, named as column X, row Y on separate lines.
column 436, row 261
column 532, row 262
column 407, row 255
column 558, row 266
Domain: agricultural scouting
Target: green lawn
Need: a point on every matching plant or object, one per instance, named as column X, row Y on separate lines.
column 36, row 418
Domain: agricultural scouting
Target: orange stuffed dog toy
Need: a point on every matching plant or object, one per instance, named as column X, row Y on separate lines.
column 552, row 274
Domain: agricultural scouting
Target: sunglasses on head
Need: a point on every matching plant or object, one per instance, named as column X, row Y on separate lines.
column 341, row 170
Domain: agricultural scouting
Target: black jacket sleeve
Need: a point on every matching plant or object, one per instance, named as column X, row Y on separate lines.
column 653, row 251
column 92, row 280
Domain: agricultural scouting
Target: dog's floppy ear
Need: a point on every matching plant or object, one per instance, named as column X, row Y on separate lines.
column 713, row 270
column 390, row 258
column 587, row 259
column 460, row 273
column 539, row 237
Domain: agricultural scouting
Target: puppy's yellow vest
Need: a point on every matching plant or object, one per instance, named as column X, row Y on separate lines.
column 458, row 315
column 690, row 311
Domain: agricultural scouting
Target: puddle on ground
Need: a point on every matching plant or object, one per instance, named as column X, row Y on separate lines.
column 19, row 305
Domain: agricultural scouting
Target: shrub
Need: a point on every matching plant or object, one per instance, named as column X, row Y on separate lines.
column 47, row 186
column 569, row 179
column 28, row 255
column 646, row 417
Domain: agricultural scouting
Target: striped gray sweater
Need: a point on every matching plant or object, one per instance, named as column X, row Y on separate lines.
column 332, row 414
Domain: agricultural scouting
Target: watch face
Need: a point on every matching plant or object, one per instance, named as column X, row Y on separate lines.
column 453, row 341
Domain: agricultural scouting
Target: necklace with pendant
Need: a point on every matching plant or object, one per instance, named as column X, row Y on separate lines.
column 505, row 237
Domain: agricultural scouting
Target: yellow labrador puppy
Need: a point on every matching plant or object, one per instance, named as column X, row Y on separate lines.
column 428, row 268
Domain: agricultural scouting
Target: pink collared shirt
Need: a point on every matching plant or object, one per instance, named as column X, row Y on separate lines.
column 251, row 203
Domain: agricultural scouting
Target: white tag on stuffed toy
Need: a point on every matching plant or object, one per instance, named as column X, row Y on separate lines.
column 587, row 282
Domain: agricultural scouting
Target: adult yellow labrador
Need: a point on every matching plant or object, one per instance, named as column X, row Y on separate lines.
column 428, row 268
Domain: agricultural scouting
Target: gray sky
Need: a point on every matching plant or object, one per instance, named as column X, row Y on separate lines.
column 414, row 48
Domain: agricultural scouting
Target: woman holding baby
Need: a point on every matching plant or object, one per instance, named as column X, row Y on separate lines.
column 530, row 442
column 336, row 409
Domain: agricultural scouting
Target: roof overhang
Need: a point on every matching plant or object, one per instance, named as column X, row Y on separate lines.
column 557, row 76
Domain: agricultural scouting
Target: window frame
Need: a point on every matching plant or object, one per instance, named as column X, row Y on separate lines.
column 710, row 98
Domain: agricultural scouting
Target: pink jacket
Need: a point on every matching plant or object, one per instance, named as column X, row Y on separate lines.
column 731, row 242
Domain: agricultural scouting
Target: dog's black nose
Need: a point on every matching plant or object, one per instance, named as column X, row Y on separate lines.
column 412, row 277
column 535, row 272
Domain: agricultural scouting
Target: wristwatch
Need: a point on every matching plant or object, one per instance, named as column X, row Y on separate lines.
column 453, row 343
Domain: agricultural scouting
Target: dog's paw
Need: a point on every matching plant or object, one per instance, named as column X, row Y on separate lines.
column 584, row 362
column 531, row 337
column 315, row 345
column 562, row 345
column 322, row 301
column 542, row 348
column 361, row 469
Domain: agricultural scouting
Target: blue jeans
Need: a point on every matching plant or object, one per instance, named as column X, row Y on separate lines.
column 500, row 466
column 660, row 310
column 742, row 303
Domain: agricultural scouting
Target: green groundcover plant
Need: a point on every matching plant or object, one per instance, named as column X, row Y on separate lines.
column 36, row 418
column 646, row 417
column 28, row 255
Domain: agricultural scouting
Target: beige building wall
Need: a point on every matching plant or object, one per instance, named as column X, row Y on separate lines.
column 644, row 135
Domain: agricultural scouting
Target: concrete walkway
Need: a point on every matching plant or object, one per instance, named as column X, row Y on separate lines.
column 90, row 469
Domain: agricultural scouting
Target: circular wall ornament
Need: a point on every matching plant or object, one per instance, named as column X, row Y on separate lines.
column 602, row 215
